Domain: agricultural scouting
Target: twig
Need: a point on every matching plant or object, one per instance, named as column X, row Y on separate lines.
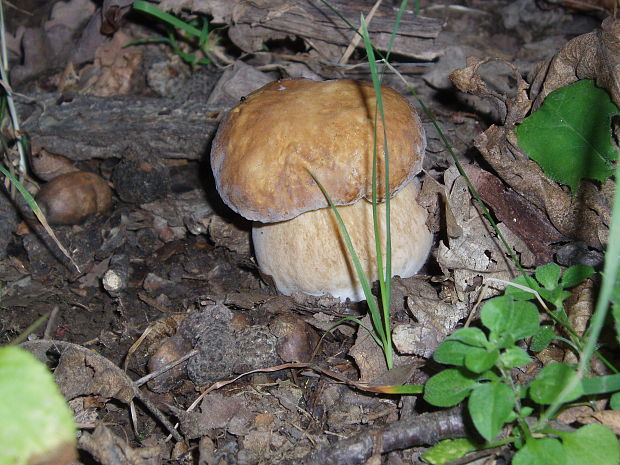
column 47, row 334
column 428, row 428
column 357, row 37
column 165, row 368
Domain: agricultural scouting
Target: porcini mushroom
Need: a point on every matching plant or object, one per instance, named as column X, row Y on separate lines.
column 261, row 157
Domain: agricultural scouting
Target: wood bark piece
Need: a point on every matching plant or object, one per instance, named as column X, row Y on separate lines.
column 255, row 22
column 86, row 127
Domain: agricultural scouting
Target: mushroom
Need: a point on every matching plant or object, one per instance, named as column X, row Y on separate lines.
column 261, row 157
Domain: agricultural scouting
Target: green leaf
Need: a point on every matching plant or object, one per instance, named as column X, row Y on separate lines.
column 569, row 135
column 490, row 407
column 519, row 294
column 448, row 450
column 542, row 338
column 454, row 348
column 449, row 387
column 561, row 316
column 549, row 275
column 481, row 360
column 514, row 357
column 36, row 421
column 552, row 379
column 165, row 17
column 453, row 352
column 470, row 336
column 591, row 444
column 614, row 401
column 547, row 451
column 575, row 275
column 555, row 296
column 509, row 320
column 601, row 384
column 615, row 306
column 526, row 412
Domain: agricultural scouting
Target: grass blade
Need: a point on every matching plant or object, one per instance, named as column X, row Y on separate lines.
column 372, row 305
column 166, row 17
column 38, row 213
column 384, row 273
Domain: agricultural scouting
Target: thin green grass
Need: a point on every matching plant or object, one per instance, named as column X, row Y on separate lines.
column 379, row 312
column 203, row 35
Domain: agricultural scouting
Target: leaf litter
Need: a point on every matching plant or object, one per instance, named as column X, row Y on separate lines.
column 200, row 275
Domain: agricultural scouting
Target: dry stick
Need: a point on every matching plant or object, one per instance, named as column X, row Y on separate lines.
column 428, row 428
column 165, row 368
column 358, row 35
column 47, row 334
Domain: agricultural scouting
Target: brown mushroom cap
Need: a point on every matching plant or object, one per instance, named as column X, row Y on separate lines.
column 265, row 146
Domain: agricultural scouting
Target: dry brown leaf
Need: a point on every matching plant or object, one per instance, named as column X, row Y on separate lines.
column 595, row 55
column 528, row 222
column 367, row 354
column 115, row 68
column 436, row 317
column 582, row 217
column 609, row 418
column 477, row 253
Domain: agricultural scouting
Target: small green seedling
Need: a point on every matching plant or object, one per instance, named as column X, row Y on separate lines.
column 196, row 34
column 379, row 311
column 481, row 363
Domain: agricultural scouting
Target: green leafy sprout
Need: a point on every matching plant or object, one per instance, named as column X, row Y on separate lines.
column 36, row 419
column 195, row 33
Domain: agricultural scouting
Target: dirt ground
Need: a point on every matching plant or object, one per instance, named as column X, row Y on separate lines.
column 168, row 270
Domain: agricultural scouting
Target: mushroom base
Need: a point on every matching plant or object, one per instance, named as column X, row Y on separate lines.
column 308, row 254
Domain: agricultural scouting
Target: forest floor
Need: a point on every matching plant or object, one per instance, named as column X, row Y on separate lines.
column 168, row 270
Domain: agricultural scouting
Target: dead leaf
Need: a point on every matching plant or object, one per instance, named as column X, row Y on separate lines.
column 436, row 317
column 518, row 214
column 609, row 418
column 115, row 68
column 107, row 449
column 595, row 55
column 584, row 216
column 477, row 253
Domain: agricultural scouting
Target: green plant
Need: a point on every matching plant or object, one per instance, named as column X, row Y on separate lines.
column 36, row 421
column 481, row 364
column 195, row 33
column 569, row 135
column 379, row 311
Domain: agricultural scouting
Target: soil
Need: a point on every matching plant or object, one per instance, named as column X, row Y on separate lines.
column 167, row 270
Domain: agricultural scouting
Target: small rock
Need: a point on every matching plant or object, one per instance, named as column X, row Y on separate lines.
column 141, row 181
column 71, row 198
column 171, row 349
